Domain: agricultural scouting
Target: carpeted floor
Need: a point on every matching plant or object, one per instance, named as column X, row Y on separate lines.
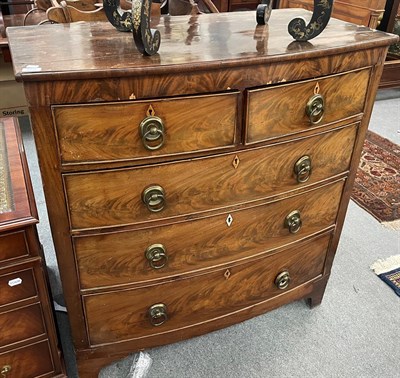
column 376, row 188
column 353, row 334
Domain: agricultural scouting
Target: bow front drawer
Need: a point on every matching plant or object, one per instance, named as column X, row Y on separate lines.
column 288, row 109
column 136, row 130
column 136, row 195
column 160, row 252
column 137, row 313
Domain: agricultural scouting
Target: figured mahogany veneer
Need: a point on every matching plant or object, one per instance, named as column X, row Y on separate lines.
column 28, row 339
column 34, row 360
column 98, row 199
column 261, row 227
column 202, row 298
column 251, row 195
column 22, row 323
column 13, row 245
column 278, row 111
column 10, row 293
column 102, row 132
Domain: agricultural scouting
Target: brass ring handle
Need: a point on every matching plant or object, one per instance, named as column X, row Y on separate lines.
column 152, row 130
column 156, row 256
column 154, row 198
column 5, row 370
column 158, row 314
column 315, row 109
column 293, row 221
column 282, row 280
column 302, row 169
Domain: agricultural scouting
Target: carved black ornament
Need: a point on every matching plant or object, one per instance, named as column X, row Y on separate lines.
column 146, row 40
column 263, row 12
column 300, row 31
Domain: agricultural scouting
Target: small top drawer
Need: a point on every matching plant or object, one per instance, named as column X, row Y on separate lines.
column 140, row 129
column 288, row 109
column 13, row 245
column 17, row 286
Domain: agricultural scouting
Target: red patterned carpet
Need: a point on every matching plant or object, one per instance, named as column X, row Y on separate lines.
column 377, row 185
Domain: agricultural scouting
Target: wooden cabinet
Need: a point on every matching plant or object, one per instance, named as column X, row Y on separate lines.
column 199, row 187
column 28, row 343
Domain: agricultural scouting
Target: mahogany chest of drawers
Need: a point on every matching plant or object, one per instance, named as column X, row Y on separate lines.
column 28, row 341
column 199, row 187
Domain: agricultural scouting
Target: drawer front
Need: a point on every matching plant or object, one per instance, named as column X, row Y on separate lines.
column 31, row 361
column 17, row 286
column 21, row 324
column 277, row 111
column 193, row 301
column 155, row 253
column 105, row 132
column 114, row 197
column 13, row 245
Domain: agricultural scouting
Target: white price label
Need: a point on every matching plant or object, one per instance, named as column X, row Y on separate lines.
column 15, row 282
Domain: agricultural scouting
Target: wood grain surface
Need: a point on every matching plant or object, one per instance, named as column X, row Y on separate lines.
column 281, row 110
column 192, row 81
column 199, row 299
column 28, row 338
column 94, row 204
column 88, row 50
column 104, row 132
column 13, row 245
column 29, row 361
column 26, row 289
column 119, row 258
column 112, row 198
column 21, row 324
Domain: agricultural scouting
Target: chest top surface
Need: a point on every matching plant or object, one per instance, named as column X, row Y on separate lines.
column 192, row 43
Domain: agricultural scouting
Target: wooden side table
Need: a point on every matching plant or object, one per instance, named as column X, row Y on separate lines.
column 28, row 343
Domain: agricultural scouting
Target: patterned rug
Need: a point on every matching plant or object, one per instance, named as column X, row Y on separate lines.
column 388, row 271
column 376, row 188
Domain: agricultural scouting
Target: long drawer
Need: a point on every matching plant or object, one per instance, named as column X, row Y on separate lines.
column 135, row 195
column 142, row 129
column 156, row 253
column 151, row 310
column 293, row 108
